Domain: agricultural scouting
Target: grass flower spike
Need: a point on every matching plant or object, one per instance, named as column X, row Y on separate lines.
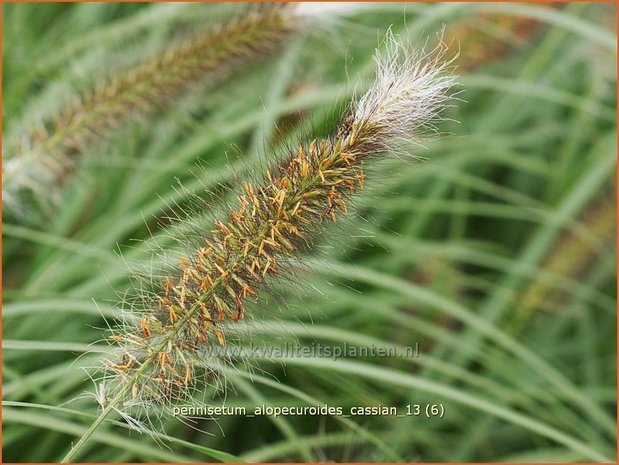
column 275, row 221
column 572, row 257
column 478, row 48
column 42, row 159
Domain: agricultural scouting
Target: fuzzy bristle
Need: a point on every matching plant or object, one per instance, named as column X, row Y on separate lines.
column 274, row 221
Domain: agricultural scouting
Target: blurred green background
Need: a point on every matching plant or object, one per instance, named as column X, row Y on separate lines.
column 496, row 252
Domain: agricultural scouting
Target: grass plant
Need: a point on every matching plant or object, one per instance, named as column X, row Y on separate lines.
column 444, row 252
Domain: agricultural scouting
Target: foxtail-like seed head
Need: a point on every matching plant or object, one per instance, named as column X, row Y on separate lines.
column 274, row 221
column 38, row 161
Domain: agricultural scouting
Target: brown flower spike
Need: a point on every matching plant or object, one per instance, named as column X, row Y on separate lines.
column 571, row 257
column 478, row 48
column 274, row 221
column 161, row 353
column 42, row 159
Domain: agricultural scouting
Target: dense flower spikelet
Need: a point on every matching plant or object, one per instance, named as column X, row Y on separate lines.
column 42, row 159
column 274, row 221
